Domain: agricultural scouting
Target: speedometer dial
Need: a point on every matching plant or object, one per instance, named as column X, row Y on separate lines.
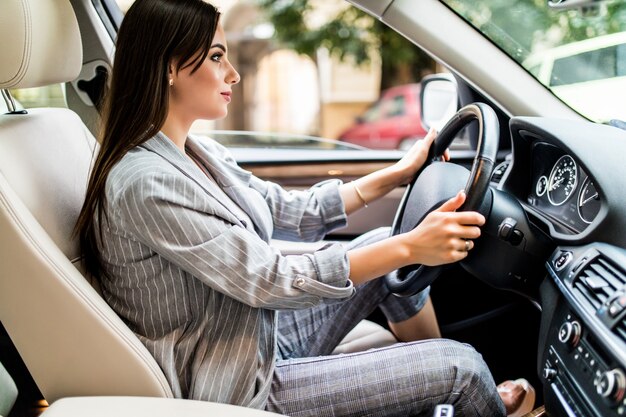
column 563, row 180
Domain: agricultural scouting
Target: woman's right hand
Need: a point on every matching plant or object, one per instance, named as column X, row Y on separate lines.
column 439, row 239
column 444, row 236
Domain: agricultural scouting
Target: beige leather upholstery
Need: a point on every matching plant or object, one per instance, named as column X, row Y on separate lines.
column 367, row 335
column 146, row 407
column 33, row 34
column 69, row 338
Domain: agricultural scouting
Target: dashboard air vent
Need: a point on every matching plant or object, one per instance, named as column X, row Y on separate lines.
column 597, row 282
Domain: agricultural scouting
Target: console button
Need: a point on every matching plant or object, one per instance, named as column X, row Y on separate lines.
column 569, row 333
column 611, row 384
column 562, row 260
column 549, row 373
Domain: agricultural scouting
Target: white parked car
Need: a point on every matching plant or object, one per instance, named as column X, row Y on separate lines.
column 589, row 75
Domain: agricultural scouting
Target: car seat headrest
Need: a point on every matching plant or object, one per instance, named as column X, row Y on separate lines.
column 40, row 45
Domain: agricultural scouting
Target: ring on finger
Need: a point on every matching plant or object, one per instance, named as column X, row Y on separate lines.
column 467, row 245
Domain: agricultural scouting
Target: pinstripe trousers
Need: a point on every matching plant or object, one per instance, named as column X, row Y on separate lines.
column 405, row 379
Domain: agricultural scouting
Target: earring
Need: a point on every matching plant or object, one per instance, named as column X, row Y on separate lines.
column 171, row 82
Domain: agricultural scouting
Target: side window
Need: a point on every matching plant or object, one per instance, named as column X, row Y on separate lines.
column 48, row 96
column 327, row 91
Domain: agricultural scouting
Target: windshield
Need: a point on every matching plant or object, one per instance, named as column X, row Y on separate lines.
column 578, row 53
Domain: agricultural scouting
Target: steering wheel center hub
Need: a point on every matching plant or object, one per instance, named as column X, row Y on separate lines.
column 437, row 183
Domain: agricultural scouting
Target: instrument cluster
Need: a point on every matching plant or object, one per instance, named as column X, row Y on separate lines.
column 562, row 190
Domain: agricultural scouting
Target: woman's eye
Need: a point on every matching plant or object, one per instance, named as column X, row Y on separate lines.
column 216, row 57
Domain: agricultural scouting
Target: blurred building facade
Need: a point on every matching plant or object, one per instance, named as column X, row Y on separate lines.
column 286, row 92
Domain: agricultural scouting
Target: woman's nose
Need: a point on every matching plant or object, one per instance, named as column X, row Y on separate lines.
column 233, row 76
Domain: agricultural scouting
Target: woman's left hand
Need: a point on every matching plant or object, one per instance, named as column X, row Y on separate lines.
column 371, row 187
column 416, row 156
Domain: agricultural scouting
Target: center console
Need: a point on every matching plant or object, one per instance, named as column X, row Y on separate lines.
column 583, row 332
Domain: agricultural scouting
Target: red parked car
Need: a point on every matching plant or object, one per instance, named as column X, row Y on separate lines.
column 392, row 122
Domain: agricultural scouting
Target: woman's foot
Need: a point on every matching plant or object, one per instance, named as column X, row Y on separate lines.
column 518, row 397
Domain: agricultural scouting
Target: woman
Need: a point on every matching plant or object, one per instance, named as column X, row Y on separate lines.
column 179, row 235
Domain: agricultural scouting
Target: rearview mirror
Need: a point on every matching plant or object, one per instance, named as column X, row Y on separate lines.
column 439, row 100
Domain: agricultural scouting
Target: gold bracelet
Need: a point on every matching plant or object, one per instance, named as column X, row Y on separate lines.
column 358, row 192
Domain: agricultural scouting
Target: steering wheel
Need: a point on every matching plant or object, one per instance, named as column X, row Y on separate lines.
column 439, row 181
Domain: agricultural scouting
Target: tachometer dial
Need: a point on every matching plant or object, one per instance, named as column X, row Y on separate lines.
column 563, row 180
column 588, row 201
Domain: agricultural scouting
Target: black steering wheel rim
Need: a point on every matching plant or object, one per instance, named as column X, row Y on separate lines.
column 411, row 279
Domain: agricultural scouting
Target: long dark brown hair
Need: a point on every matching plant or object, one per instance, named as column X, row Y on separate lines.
column 154, row 35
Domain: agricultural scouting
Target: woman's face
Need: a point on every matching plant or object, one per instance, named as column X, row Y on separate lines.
column 205, row 94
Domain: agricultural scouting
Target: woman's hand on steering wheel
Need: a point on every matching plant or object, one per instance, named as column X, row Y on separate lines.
column 416, row 156
column 444, row 236
column 435, row 183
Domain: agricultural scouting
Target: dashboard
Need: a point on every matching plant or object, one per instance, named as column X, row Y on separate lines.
column 561, row 189
column 569, row 178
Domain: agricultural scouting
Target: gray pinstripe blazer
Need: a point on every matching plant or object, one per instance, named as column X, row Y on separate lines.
column 198, row 284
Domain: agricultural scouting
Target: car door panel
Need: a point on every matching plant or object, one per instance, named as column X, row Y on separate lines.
column 378, row 214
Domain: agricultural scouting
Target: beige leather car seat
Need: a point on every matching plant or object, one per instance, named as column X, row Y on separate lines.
column 71, row 341
column 69, row 338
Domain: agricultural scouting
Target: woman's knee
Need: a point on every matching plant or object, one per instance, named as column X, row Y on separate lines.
column 467, row 363
column 474, row 389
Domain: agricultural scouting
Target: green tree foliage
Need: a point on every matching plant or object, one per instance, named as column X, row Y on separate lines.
column 518, row 26
column 349, row 35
